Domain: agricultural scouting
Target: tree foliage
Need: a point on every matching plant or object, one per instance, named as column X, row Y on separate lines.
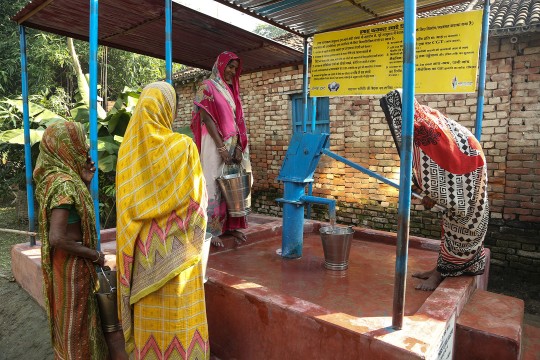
column 269, row 31
column 50, row 67
column 59, row 92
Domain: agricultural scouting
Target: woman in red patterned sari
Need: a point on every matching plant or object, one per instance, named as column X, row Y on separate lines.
column 68, row 243
column 449, row 168
column 220, row 134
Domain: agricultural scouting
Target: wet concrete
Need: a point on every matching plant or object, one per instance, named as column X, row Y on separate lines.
column 261, row 306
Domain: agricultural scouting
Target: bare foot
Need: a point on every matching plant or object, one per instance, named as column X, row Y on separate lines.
column 431, row 282
column 216, row 241
column 424, row 274
column 239, row 236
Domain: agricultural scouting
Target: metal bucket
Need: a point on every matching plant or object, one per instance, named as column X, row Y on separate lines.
column 336, row 241
column 205, row 254
column 236, row 189
column 107, row 301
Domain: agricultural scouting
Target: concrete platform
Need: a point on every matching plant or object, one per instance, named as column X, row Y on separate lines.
column 492, row 319
column 261, row 306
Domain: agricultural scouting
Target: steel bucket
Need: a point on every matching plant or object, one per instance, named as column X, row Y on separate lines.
column 336, row 241
column 236, row 189
column 206, row 254
column 107, row 301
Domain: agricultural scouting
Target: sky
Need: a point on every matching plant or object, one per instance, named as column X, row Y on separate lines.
column 223, row 13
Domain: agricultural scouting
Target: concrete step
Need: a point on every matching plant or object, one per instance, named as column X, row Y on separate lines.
column 531, row 342
column 490, row 327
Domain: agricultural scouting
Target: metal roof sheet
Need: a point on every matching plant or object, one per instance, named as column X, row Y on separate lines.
column 309, row 17
column 139, row 26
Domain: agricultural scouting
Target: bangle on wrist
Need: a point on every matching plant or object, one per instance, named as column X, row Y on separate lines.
column 223, row 148
column 98, row 256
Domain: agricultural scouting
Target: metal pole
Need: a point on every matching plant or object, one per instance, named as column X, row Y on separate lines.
column 313, row 114
column 373, row 174
column 313, row 127
column 293, row 220
column 168, row 41
column 409, row 54
column 305, row 85
column 482, row 74
column 93, row 39
column 27, row 145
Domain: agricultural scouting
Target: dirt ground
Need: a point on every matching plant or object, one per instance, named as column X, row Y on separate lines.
column 24, row 331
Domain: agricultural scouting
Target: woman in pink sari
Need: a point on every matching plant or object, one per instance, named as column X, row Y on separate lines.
column 220, row 134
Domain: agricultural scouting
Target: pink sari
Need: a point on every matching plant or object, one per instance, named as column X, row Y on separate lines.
column 222, row 102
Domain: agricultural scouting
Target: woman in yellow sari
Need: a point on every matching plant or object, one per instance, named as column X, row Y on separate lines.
column 161, row 221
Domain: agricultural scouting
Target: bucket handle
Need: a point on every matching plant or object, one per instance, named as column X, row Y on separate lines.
column 111, row 288
column 240, row 166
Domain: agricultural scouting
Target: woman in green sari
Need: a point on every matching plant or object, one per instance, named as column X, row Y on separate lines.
column 68, row 242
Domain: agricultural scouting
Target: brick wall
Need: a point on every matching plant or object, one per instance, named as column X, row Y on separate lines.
column 510, row 138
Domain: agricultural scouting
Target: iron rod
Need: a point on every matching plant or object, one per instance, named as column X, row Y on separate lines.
column 482, row 74
column 313, row 114
column 168, row 41
column 313, row 128
column 93, row 67
column 405, row 175
column 305, row 85
column 27, row 145
column 20, row 232
column 373, row 174
column 293, row 220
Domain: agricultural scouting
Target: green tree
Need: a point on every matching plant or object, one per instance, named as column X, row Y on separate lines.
column 50, row 67
column 269, row 31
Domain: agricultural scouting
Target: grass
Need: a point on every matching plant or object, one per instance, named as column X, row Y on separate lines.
column 9, row 220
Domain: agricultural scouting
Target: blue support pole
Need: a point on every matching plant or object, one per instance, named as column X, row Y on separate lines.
column 93, row 67
column 168, row 41
column 482, row 74
column 27, row 145
column 313, row 114
column 405, row 174
column 305, row 85
column 313, row 128
column 293, row 220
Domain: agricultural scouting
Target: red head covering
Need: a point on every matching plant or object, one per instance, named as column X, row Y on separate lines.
column 222, row 102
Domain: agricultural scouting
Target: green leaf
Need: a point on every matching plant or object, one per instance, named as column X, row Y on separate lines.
column 107, row 162
column 107, row 144
column 118, row 122
column 81, row 114
column 16, row 136
column 37, row 113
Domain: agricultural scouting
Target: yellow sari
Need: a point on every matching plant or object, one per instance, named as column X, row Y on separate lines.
column 161, row 221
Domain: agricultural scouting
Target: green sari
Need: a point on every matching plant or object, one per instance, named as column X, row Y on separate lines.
column 69, row 281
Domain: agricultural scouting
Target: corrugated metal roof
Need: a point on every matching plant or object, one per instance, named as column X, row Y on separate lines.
column 139, row 26
column 308, row 17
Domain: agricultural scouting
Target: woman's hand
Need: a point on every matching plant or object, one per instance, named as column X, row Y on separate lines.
column 88, row 171
column 428, row 202
column 237, row 157
column 225, row 156
column 100, row 260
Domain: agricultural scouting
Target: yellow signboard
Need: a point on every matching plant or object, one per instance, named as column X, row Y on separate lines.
column 368, row 60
